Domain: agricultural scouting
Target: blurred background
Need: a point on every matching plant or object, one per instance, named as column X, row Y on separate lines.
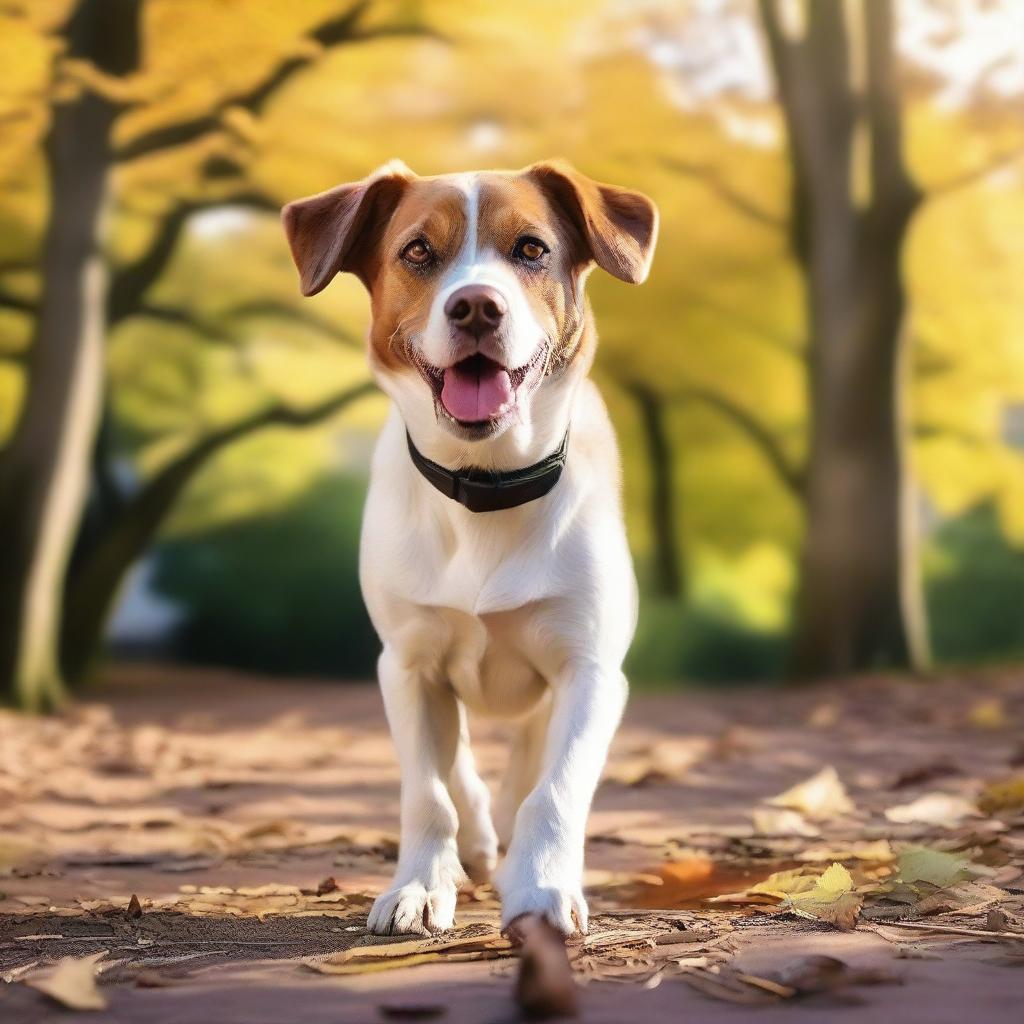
column 819, row 393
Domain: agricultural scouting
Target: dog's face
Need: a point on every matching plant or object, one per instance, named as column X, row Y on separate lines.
column 476, row 280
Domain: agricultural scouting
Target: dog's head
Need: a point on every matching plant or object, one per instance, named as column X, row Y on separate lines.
column 475, row 280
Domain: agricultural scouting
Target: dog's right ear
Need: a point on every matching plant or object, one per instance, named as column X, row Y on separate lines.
column 331, row 232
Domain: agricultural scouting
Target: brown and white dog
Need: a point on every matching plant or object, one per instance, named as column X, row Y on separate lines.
column 483, row 339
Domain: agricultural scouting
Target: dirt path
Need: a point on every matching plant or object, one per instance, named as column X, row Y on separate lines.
column 253, row 822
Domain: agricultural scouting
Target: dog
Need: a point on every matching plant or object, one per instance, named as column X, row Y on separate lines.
column 493, row 555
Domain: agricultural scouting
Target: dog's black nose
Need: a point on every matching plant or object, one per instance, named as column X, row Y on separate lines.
column 477, row 308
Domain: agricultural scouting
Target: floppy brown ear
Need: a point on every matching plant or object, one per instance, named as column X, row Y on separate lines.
column 619, row 226
column 328, row 233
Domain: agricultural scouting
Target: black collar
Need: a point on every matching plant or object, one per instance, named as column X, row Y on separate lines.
column 483, row 490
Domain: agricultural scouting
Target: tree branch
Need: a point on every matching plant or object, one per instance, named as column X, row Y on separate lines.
column 708, row 176
column 177, row 316
column 17, row 303
column 977, row 174
column 792, row 476
column 666, row 574
column 776, row 339
column 343, row 28
column 130, row 282
column 92, row 588
column 893, row 194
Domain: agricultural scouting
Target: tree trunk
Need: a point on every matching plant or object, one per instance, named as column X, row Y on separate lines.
column 666, row 575
column 859, row 603
column 855, row 608
column 44, row 468
column 94, row 583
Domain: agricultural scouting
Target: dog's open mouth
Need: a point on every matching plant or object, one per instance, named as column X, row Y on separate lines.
column 478, row 389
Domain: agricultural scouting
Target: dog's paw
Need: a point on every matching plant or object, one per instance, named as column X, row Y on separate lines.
column 564, row 909
column 413, row 910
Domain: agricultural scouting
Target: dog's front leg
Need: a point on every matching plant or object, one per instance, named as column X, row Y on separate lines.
column 543, row 872
column 424, row 722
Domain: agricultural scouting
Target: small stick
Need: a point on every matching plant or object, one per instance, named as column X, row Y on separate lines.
column 545, row 986
column 950, row 929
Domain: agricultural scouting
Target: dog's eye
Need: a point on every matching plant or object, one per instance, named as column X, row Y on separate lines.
column 417, row 253
column 530, row 250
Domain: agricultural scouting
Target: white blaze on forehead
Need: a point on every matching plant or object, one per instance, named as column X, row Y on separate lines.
column 478, row 262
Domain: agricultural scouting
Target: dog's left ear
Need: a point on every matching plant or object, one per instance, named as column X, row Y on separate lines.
column 332, row 232
column 619, row 226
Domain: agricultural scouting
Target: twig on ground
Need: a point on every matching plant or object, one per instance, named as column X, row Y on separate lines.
column 545, row 986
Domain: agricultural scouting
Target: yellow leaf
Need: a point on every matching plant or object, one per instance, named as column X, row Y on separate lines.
column 821, row 797
column 989, row 714
column 1007, row 795
column 781, row 821
column 878, row 850
column 832, row 899
column 785, row 883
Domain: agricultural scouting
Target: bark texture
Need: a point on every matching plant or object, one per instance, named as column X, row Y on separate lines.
column 44, row 467
column 859, row 603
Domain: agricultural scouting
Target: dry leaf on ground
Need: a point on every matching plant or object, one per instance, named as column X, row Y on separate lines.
column 819, row 798
column 782, row 821
column 392, row 955
column 809, row 974
column 989, row 713
column 666, row 761
column 942, row 809
column 1006, row 795
column 874, row 851
column 973, row 897
column 73, row 983
column 934, row 867
column 831, row 899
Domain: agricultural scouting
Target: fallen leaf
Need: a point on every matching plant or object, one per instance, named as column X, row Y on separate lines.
column 819, row 798
column 782, row 821
column 16, row 854
column 408, row 953
column 728, row 986
column 73, row 983
column 824, row 716
column 785, row 883
column 832, row 899
column 809, row 974
column 927, row 772
column 989, row 713
column 963, row 897
column 942, row 809
column 667, row 761
column 874, row 851
column 1006, row 795
column 935, row 867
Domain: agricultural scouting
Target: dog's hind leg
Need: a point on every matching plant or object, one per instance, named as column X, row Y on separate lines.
column 477, row 841
column 424, row 720
column 523, row 769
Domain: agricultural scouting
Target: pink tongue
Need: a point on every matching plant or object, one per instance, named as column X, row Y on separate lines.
column 475, row 393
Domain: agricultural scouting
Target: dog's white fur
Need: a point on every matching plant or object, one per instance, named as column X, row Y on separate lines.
column 525, row 614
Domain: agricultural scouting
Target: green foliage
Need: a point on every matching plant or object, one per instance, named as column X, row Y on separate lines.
column 678, row 642
column 975, row 587
column 277, row 593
